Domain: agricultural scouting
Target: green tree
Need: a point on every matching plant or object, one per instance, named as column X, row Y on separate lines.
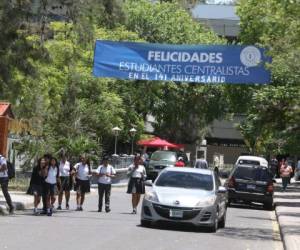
column 16, row 52
column 68, row 107
column 182, row 111
column 272, row 123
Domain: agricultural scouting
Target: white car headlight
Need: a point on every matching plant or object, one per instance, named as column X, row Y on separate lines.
column 207, row 201
column 151, row 196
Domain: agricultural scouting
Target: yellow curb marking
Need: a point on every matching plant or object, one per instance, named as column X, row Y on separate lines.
column 276, row 232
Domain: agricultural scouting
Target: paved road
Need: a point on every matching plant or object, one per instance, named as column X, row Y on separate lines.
column 246, row 229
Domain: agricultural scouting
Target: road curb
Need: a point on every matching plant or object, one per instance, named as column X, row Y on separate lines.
column 290, row 239
column 3, row 210
column 17, row 206
column 286, row 208
column 280, row 229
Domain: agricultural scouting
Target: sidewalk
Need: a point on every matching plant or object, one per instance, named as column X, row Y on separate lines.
column 23, row 201
column 20, row 200
column 288, row 214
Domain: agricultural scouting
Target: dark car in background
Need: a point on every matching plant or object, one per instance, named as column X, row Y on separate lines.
column 251, row 183
column 159, row 160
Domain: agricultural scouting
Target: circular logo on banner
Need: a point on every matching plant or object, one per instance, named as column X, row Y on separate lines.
column 250, row 56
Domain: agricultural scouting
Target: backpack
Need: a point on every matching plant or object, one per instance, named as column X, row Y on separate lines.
column 11, row 171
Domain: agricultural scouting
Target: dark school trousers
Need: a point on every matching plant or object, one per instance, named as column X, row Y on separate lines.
column 4, row 188
column 285, row 181
column 44, row 196
column 104, row 189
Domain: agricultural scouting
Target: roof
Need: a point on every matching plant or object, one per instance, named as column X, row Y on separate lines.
column 5, row 110
column 213, row 11
column 263, row 161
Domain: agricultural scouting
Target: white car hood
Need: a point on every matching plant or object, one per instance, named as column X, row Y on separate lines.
column 186, row 197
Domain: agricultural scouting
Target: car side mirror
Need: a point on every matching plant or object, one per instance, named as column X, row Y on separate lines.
column 222, row 190
column 149, row 183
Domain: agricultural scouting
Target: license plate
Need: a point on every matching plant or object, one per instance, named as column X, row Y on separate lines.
column 176, row 213
column 250, row 186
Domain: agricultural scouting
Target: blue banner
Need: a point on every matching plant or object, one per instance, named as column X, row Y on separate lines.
column 181, row 63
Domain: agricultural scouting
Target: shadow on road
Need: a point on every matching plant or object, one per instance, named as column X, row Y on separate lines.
column 291, row 197
column 247, row 233
column 172, row 226
column 255, row 218
column 294, row 187
column 297, row 215
column 292, row 230
column 251, row 206
column 288, row 204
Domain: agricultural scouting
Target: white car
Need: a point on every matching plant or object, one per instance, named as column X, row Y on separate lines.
column 186, row 195
column 252, row 160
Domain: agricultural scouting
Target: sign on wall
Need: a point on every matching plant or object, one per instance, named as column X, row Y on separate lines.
column 181, row 63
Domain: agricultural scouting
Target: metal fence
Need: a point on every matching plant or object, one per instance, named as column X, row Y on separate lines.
column 122, row 162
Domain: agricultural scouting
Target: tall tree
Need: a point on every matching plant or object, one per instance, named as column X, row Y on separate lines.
column 182, row 111
column 16, row 52
column 273, row 118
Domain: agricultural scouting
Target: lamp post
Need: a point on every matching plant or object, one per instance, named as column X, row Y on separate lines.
column 116, row 131
column 132, row 133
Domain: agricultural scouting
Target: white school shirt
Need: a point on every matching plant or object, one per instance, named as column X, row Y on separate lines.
column 53, row 173
column 82, row 171
column 105, row 170
column 139, row 172
column 3, row 174
column 64, row 169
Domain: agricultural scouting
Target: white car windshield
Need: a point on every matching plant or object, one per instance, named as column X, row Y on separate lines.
column 185, row 180
column 164, row 156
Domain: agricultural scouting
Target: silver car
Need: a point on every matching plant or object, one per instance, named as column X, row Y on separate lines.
column 186, row 195
column 158, row 161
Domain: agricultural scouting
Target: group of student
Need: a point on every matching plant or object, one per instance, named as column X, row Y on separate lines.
column 51, row 177
column 48, row 177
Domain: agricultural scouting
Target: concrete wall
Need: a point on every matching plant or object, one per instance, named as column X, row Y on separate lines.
column 230, row 153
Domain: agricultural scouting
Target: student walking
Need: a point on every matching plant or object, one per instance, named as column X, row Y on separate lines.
column 81, row 171
column 105, row 172
column 36, row 182
column 136, row 185
column 51, row 184
column 65, row 181
column 4, row 183
column 44, row 173
column 285, row 173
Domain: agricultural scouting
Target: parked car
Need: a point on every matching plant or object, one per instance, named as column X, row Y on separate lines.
column 186, row 195
column 158, row 161
column 251, row 183
column 251, row 160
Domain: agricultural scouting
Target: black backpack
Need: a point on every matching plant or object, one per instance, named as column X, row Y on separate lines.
column 11, row 171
